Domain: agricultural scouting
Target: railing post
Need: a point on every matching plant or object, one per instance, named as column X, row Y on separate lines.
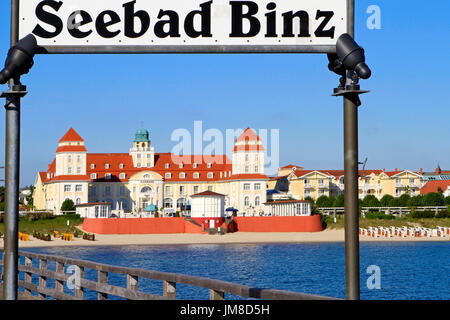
column 169, row 289
column 28, row 275
column 216, row 295
column 79, row 291
column 132, row 282
column 42, row 279
column 102, row 278
column 59, row 284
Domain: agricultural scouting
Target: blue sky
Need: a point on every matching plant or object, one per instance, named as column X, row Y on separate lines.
column 403, row 122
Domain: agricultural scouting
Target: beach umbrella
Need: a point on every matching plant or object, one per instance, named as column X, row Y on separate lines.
column 150, row 208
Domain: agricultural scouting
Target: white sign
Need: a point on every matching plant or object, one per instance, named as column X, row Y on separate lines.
column 74, row 26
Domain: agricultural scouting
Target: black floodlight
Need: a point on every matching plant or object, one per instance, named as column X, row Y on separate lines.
column 20, row 59
column 351, row 55
column 335, row 65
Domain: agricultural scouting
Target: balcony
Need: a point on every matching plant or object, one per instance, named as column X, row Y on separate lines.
column 309, row 186
column 323, row 186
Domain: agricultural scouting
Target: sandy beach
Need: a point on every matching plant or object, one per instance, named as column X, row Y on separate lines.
column 238, row 237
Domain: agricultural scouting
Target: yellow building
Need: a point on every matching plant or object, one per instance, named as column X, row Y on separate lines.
column 132, row 181
column 301, row 184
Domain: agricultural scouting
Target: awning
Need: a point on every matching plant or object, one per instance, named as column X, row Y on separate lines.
column 150, row 208
column 231, row 209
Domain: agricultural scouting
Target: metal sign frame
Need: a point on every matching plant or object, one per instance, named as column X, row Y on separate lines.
column 189, row 49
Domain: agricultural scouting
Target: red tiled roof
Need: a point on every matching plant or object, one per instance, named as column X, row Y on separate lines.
column 287, row 201
column 248, row 176
column 432, row 186
column 290, row 166
column 72, row 177
column 71, row 135
column 207, row 193
column 248, row 135
column 71, row 149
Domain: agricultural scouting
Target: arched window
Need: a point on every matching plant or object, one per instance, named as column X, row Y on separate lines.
column 147, row 176
column 257, row 201
column 78, row 201
column 167, row 203
column 246, row 201
column 146, row 190
column 181, row 202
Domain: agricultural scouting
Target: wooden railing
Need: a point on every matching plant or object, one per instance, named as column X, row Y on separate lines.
column 387, row 210
column 217, row 288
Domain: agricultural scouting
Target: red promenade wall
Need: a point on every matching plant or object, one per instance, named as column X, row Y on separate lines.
column 279, row 224
column 179, row 225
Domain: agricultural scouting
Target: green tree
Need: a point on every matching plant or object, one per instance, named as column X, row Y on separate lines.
column 447, row 200
column 386, row 200
column 403, row 200
column 394, row 202
column 433, row 199
column 324, row 201
column 370, row 201
column 415, row 201
column 68, row 205
column 339, row 202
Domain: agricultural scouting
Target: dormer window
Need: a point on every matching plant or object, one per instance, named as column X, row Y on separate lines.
column 92, row 166
column 180, row 165
column 209, row 165
column 167, row 166
column 93, row 176
column 168, row 175
column 107, row 166
column 196, row 175
column 121, row 166
column 108, row 176
column 194, row 165
column 210, row 175
column 122, row 176
column 182, row 175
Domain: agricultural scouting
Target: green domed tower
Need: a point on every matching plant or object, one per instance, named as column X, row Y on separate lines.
column 143, row 154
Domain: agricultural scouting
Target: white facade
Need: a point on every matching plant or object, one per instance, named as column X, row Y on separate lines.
column 208, row 205
column 94, row 210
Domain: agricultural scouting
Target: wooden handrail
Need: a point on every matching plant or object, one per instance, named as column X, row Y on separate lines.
column 217, row 288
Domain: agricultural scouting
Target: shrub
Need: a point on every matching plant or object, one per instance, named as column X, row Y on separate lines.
column 433, row 199
column 422, row 214
column 386, row 199
column 415, row 201
column 446, row 201
column 33, row 216
column 443, row 214
column 370, row 201
column 339, row 201
column 379, row 215
column 68, row 205
column 403, row 200
column 324, row 201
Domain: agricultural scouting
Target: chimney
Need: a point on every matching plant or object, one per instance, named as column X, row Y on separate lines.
column 396, row 169
column 421, row 170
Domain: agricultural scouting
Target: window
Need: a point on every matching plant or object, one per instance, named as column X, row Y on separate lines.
column 167, row 203
column 122, row 176
column 209, row 165
column 257, row 186
column 138, row 165
column 167, row 166
column 306, row 181
column 182, row 189
column 180, row 166
column 92, row 166
column 247, row 169
column 411, row 181
column 168, row 175
column 78, row 201
column 93, row 176
column 210, row 175
column 210, row 188
column 321, row 192
column 78, row 158
column 148, row 155
column 246, row 186
column 182, row 175
column 146, row 190
column 67, row 187
column 195, row 189
column 257, row 201
column 246, row 201
column 194, row 165
column 167, row 190
column 196, row 175
column 107, row 166
column 246, row 158
column 122, row 190
column 256, row 168
column 138, row 155
column 70, row 158
column 78, row 170
column 78, row 188
column 108, row 176
column 321, row 181
column 92, row 190
column 107, row 190
column 121, row 166
column 69, row 170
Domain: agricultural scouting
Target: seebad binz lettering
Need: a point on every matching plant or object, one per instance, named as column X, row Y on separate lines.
column 133, row 20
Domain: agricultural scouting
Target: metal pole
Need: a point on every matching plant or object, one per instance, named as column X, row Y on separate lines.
column 352, row 285
column 12, row 154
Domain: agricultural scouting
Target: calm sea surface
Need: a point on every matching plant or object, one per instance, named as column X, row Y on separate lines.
column 410, row 270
